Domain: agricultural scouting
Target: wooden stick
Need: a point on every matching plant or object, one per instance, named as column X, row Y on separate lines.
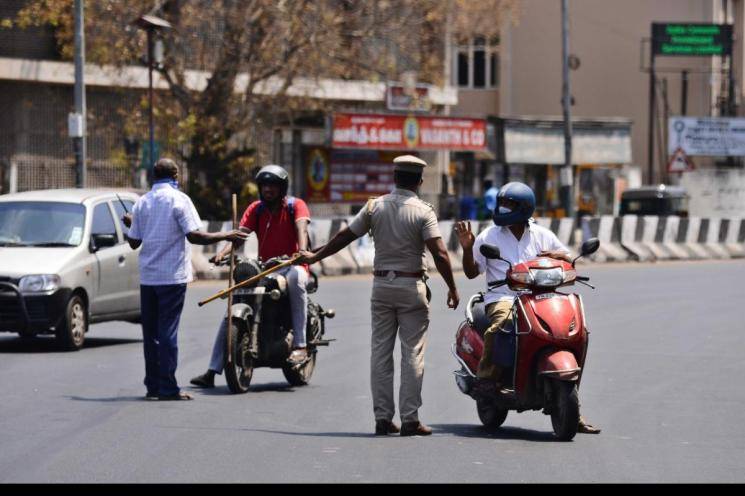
column 249, row 281
column 229, row 333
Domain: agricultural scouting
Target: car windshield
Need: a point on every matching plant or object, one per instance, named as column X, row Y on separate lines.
column 46, row 224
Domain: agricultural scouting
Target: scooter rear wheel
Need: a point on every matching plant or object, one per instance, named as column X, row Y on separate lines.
column 239, row 368
column 565, row 414
column 490, row 414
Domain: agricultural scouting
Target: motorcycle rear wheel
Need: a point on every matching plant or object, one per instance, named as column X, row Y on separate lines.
column 300, row 376
column 490, row 414
column 565, row 414
column 239, row 368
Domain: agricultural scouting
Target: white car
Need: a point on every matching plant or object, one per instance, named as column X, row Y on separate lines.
column 64, row 262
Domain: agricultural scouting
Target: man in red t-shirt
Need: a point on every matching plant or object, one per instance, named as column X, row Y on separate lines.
column 282, row 229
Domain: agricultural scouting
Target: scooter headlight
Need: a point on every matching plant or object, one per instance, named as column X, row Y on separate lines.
column 548, row 278
column 39, row 283
column 525, row 278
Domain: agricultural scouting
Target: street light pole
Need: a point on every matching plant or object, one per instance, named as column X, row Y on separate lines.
column 151, row 123
column 77, row 122
column 151, row 24
column 566, row 175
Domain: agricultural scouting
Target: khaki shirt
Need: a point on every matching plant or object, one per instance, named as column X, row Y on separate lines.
column 399, row 223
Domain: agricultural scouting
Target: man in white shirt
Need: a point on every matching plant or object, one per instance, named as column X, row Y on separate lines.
column 518, row 240
column 161, row 222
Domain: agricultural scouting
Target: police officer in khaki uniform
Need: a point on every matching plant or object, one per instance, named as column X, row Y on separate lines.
column 401, row 225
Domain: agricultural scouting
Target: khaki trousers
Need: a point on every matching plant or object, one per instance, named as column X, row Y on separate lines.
column 398, row 307
column 497, row 313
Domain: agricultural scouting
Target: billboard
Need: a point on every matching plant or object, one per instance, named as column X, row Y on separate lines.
column 707, row 136
column 402, row 132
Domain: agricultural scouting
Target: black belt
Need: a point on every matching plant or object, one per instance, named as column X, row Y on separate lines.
column 398, row 273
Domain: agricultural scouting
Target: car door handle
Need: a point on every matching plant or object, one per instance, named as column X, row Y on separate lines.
column 122, row 259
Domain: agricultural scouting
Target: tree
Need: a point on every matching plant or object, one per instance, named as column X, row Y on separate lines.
column 252, row 52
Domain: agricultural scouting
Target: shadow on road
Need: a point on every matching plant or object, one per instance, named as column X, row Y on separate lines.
column 272, row 387
column 313, row 434
column 49, row 345
column 112, row 399
column 478, row 431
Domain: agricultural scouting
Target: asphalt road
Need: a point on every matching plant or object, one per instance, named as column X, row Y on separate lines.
column 664, row 381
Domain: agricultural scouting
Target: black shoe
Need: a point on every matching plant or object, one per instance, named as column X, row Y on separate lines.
column 206, row 380
column 385, row 427
column 151, row 396
column 415, row 429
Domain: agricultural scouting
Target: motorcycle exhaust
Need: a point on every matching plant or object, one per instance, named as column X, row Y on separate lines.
column 330, row 313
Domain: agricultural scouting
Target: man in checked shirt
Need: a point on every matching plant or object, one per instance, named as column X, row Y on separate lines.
column 162, row 221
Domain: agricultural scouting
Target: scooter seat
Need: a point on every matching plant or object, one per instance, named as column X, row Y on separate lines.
column 480, row 320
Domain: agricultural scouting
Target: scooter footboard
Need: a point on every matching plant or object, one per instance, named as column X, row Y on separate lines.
column 561, row 365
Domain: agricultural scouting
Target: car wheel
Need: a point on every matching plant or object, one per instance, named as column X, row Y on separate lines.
column 70, row 333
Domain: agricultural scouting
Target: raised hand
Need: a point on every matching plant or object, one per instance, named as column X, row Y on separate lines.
column 466, row 237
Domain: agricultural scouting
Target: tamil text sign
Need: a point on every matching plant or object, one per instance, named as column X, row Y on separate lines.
column 401, row 132
column 691, row 39
column 707, row 136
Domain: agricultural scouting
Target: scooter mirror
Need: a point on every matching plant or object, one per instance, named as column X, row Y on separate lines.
column 489, row 251
column 590, row 246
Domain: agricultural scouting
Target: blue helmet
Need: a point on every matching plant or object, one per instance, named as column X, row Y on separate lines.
column 522, row 195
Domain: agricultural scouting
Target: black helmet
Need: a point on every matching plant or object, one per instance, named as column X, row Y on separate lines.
column 273, row 174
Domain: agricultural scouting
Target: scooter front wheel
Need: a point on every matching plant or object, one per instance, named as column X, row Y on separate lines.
column 490, row 414
column 565, row 414
column 238, row 367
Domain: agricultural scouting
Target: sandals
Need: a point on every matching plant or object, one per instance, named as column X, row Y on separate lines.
column 586, row 428
column 177, row 397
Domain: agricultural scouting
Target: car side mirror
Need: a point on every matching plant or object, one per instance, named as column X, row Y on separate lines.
column 99, row 241
column 490, row 251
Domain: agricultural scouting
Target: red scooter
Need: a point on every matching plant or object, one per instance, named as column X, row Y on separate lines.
column 541, row 348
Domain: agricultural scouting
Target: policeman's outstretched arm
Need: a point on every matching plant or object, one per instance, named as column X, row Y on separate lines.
column 341, row 240
column 442, row 261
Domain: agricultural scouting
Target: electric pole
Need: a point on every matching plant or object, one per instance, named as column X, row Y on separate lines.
column 76, row 120
column 566, row 192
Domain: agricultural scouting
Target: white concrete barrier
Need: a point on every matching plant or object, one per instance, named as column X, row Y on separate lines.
column 624, row 238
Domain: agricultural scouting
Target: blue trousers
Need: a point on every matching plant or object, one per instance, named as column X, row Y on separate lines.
column 161, row 307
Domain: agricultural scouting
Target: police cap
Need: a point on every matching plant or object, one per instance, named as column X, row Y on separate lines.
column 409, row 163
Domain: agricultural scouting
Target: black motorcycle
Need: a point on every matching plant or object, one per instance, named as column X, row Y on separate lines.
column 260, row 331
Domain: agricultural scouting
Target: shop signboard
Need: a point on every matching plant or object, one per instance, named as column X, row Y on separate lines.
column 407, row 132
column 707, row 136
column 351, row 176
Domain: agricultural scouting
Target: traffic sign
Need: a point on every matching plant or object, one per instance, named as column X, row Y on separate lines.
column 680, row 162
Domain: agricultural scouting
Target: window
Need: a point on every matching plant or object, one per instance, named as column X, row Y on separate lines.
column 119, row 209
column 103, row 222
column 476, row 63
